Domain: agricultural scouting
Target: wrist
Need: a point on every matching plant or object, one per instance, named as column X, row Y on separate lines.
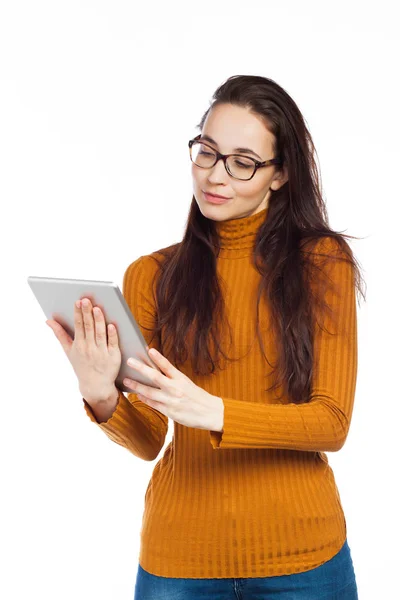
column 219, row 418
column 106, row 398
column 113, row 396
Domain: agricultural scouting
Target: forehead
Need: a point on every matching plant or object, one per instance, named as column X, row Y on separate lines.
column 235, row 126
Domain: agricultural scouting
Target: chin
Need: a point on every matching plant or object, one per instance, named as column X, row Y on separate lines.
column 216, row 212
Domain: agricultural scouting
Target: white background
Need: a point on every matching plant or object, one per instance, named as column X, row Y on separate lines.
column 89, row 91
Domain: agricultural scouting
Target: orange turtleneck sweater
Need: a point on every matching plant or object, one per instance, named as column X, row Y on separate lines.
column 259, row 498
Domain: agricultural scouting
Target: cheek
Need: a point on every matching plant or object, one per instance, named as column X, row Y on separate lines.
column 196, row 173
column 196, row 177
column 199, row 178
column 253, row 190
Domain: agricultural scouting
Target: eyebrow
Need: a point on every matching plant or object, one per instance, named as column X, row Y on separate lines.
column 245, row 150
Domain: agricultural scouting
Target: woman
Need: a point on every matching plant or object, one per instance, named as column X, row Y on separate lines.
column 243, row 503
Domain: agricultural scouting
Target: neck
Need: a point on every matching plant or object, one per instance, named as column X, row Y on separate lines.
column 237, row 236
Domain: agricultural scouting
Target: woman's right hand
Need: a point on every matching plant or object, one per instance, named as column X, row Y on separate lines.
column 96, row 363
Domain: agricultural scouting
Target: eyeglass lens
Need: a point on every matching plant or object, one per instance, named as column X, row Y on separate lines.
column 238, row 166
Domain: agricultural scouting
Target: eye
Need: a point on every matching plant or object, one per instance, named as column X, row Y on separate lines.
column 244, row 164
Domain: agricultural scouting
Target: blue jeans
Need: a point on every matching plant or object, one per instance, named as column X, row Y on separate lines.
column 333, row 580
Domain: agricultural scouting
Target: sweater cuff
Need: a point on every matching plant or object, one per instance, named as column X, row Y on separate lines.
column 219, row 439
column 216, row 438
column 239, row 427
column 239, row 430
column 119, row 417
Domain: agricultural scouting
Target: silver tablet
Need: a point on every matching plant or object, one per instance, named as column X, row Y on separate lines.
column 57, row 298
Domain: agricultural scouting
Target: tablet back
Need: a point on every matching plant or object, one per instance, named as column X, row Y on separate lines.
column 57, row 298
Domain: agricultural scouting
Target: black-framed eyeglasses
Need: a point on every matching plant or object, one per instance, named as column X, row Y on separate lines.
column 237, row 166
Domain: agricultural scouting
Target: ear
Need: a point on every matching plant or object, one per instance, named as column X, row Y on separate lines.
column 281, row 177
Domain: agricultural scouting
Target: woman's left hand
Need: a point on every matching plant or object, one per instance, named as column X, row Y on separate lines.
column 178, row 397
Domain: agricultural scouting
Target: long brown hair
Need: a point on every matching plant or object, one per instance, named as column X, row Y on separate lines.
column 190, row 306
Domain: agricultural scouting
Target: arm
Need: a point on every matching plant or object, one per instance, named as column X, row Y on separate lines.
column 323, row 423
column 133, row 424
column 103, row 410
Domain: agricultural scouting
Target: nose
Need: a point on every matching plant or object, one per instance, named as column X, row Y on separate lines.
column 218, row 173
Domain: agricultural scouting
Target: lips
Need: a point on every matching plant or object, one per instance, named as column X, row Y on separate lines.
column 216, row 195
column 214, row 199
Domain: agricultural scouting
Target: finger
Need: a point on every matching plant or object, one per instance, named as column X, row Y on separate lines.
column 63, row 337
column 164, row 364
column 161, row 407
column 155, row 376
column 112, row 336
column 100, row 327
column 78, row 323
column 145, row 390
column 88, row 321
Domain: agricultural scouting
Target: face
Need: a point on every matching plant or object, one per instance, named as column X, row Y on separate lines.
column 233, row 127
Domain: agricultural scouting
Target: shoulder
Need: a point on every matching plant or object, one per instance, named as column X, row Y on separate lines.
column 326, row 249
column 155, row 259
column 147, row 266
column 328, row 264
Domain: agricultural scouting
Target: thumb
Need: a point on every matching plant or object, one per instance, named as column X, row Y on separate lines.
column 60, row 333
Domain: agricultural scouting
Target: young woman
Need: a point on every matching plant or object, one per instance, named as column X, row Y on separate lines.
column 243, row 503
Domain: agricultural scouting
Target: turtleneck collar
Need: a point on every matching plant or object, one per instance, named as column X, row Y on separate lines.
column 237, row 236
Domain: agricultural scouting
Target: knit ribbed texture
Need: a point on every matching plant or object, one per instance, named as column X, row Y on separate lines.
column 259, row 498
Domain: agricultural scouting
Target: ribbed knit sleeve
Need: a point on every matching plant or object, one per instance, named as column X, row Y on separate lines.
column 135, row 425
column 322, row 424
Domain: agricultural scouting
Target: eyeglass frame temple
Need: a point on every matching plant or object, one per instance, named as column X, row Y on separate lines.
column 259, row 164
